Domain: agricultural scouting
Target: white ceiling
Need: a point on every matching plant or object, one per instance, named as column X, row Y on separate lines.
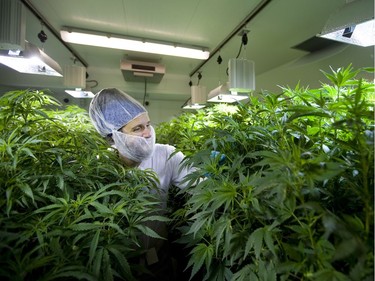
column 275, row 27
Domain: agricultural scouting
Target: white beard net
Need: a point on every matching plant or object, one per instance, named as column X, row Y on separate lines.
column 135, row 148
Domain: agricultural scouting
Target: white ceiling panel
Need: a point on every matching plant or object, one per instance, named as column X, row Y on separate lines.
column 275, row 27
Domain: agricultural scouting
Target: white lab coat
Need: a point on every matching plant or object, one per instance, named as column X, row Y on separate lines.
column 169, row 172
column 166, row 167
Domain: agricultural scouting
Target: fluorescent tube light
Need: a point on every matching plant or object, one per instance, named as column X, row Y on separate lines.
column 32, row 61
column 353, row 23
column 92, row 38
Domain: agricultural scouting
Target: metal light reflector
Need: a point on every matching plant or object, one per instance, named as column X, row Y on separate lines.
column 222, row 94
column 75, row 81
column 353, row 23
column 32, row 61
column 198, row 97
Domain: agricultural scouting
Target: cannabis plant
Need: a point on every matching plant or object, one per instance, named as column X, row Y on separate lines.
column 294, row 199
column 68, row 209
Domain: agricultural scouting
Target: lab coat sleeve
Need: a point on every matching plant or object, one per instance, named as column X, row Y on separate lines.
column 178, row 172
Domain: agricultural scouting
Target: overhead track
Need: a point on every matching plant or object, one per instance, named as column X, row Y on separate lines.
column 52, row 29
column 239, row 27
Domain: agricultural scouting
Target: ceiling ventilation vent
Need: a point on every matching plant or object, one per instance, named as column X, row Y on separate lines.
column 140, row 71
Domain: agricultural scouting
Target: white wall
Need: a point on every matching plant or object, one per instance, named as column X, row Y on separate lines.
column 308, row 73
column 166, row 98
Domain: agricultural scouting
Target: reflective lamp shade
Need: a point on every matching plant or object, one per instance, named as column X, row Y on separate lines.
column 222, row 94
column 12, row 25
column 32, row 61
column 194, row 106
column 198, row 94
column 353, row 23
column 241, row 75
column 80, row 94
column 75, row 76
column 198, row 98
column 75, row 81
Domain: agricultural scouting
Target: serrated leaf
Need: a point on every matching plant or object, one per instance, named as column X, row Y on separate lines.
column 84, row 226
column 101, row 208
column 156, row 218
column 96, row 266
column 224, row 196
column 108, row 276
column 258, row 241
column 93, row 246
column 69, row 173
column 115, row 226
column 269, row 241
column 27, row 190
column 28, row 152
column 60, row 182
column 255, row 241
column 200, row 219
column 124, row 265
column 148, row 231
column 201, row 253
column 244, row 274
column 219, row 228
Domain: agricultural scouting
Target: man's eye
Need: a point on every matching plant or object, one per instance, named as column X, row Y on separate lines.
column 137, row 129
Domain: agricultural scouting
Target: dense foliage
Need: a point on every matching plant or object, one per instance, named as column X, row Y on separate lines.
column 294, row 199
column 68, row 208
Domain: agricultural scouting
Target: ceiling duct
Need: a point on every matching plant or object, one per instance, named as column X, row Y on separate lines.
column 140, row 71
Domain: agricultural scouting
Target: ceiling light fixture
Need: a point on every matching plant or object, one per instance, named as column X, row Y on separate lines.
column 241, row 75
column 12, row 25
column 32, row 61
column 353, row 23
column 198, row 94
column 75, row 81
column 100, row 39
column 241, row 71
column 198, row 97
column 222, row 94
column 80, row 94
column 74, row 76
column 193, row 106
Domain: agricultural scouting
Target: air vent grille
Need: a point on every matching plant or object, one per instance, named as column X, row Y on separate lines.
column 143, row 67
column 140, row 71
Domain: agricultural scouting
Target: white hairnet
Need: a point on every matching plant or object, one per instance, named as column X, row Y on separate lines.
column 111, row 109
column 134, row 147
